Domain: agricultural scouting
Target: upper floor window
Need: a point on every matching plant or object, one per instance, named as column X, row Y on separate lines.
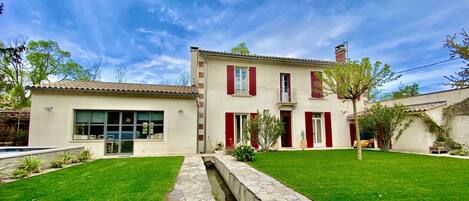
column 241, row 80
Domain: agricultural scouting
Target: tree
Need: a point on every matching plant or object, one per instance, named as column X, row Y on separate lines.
column 404, row 90
column 263, row 128
column 93, row 73
column 47, row 59
column 459, row 50
column 13, row 73
column 1, row 8
column 351, row 79
column 184, row 79
column 386, row 121
column 121, row 74
column 240, row 49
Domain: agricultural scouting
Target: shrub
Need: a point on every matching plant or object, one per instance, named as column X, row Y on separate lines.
column 243, row 152
column 20, row 173
column 84, row 155
column 56, row 163
column 32, row 164
column 264, row 128
column 65, row 158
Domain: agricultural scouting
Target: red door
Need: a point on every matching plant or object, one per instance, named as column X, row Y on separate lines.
column 285, row 117
column 352, row 134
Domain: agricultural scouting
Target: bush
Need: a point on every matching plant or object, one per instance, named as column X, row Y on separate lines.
column 65, row 158
column 56, row 163
column 84, row 155
column 20, row 173
column 243, row 152
column 32, row 164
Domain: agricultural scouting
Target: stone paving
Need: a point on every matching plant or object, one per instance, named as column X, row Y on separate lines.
column 248, row 183
column 192, row 182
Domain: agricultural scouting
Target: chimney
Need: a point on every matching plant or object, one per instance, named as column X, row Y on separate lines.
column 340, row 53
column 194, row 64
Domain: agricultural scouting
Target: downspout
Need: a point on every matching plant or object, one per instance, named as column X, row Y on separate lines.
column 206, row 101
column 197, row 126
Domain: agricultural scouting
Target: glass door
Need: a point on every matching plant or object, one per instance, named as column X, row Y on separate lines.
column 318, row 134
column 285, row 87
column 120, row 131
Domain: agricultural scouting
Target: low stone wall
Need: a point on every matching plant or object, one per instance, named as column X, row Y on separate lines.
column 192, row 182
column 248, row 184
column 11, row 161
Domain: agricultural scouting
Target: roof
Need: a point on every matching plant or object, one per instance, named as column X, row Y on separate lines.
column 264, row 57
column 95, row 86
column 421, row 107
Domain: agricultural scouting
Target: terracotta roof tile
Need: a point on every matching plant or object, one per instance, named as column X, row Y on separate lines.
column 277, row 58
column 116, row 87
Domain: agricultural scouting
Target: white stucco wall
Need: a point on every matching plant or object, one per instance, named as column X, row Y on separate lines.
column 268, row 81
column 55, row 128
column 416, row 138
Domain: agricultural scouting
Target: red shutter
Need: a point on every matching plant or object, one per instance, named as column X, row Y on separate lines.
column 327, row 117
column 316, row 85
column 254, row 137
column 309, row 129
column 229, row 130
column 230, row 79
column 252, row 81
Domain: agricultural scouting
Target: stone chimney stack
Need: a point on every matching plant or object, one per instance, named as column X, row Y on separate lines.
column 340, row 53
column 194, row 64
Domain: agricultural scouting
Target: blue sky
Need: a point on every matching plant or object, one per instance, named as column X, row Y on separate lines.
column 152, row 38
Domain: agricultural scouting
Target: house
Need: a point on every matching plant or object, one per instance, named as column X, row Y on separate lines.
column 417, row 138
column 227, row 89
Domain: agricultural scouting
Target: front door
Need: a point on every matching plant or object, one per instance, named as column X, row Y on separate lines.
column 285, row 87
column 285, row 117
column 240, row 120
column 318, row 131
column 120, row 133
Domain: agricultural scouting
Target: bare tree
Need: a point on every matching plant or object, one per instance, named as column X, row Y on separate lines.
column 121, row 74
column 184, row 78
column 94, row 71
column 459, row 50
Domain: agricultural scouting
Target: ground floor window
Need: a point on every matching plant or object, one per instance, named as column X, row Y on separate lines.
column 240, row 120
column 318, row 135
column 118, row 125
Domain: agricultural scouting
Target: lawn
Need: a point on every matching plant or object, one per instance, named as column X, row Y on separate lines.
column 337, row 175
column 107, row 179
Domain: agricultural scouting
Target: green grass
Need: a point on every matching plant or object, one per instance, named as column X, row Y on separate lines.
column 337, row 175
column 107, row 179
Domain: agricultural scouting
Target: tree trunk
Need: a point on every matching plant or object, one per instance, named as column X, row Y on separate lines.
column 357, row 130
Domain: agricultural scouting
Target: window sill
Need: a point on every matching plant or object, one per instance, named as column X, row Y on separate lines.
column 241, row 95
column 314, row 98
column 148, row 140
column 87, row 141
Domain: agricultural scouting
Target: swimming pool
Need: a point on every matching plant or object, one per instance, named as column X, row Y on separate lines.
column 8, row 150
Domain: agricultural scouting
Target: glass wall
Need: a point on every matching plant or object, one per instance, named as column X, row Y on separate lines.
column 118, row 125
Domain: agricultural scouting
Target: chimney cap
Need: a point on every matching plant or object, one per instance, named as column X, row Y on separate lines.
column 194, row 48
column 339, row 47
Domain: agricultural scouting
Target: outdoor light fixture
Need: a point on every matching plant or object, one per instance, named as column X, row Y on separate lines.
column 49, row 109
column 180, row 111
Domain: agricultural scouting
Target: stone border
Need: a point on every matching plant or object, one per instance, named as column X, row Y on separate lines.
column 249, row 184
column 10, row 162
column 192, row 182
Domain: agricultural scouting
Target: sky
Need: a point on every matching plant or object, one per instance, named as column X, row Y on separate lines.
column 152, row 38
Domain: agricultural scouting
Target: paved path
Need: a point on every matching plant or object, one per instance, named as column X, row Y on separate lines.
column 192, row 183
column 261, row 185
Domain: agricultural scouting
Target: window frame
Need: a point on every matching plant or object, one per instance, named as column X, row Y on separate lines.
column 120, row 124
column 240, row 82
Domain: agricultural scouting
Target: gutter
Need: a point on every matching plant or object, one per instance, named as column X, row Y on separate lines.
column 206, row 101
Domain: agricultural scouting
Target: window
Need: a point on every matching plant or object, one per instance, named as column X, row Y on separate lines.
column 240, row 121
column 118, row 125
column 316, row 85
column 241, row 80
column 317, row 128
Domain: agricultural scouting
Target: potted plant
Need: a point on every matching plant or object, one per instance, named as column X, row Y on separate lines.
column 219, row 148
column 303, row 141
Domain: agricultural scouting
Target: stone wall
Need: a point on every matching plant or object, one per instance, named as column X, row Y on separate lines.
column 11, row 161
